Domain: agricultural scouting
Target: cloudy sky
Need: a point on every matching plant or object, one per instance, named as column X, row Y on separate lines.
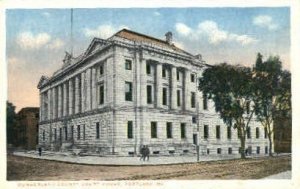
column 38, row 38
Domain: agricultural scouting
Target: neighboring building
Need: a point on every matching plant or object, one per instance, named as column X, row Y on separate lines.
column 27, row 128
column 130, row 90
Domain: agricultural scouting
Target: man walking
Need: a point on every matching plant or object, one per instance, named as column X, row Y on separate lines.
column 40, row 151
column 147, row 152
column 142, row 152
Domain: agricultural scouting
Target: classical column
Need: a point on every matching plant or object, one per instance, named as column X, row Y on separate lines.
column 49, row 104
column 77, row 95
column 54, row 107
column 83, row 91
column 59, row 101
column 143, row 80
column 186, row 87
column 88, row 89
column 173, row 87
column 70, row 99
column 41, row 107
column 158, row 85
column 94, row 93
column 65, row 96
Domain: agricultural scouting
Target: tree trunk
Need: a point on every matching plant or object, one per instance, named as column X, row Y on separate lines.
column 243, row 156
column 243, row 142
column 270, row 145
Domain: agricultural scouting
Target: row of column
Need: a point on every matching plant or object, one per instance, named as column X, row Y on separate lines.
column 78, row 94
column 186, row 94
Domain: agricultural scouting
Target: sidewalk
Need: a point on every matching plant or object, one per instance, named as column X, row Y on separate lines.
column 282, row 175
column 116, row 160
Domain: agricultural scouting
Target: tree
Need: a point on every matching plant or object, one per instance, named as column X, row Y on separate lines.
column 230, row 87
column 10, row 122
column 272, row 93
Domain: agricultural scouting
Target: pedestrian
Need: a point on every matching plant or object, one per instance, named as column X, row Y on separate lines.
column 147, row 152
column 142, row 152
column 40, row 151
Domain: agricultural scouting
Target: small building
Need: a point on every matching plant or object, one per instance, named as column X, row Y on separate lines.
column 27, row 128
column 131, row 90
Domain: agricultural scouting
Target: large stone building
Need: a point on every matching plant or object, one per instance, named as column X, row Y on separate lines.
column 131, row 90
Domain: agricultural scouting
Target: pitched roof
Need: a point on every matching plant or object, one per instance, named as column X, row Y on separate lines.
column 29, row 109
column 134, row 36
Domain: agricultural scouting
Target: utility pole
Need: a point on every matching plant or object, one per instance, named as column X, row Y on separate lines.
column 198, row 131
column 71, row 33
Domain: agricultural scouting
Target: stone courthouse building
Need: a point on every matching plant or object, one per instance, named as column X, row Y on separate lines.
column 131, row 90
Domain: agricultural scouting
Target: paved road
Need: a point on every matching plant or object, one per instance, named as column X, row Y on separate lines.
column 283, row 175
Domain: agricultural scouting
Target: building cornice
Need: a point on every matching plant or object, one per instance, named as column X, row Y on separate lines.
column 136, row 46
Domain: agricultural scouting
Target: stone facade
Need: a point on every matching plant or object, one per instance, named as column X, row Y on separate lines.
column 132, row 90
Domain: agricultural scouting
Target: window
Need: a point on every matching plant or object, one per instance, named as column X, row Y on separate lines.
column 128, row 64
column 149, row 94
column 164, row 72
column 257, row 132
column 55, row 134
column 148, row 68
column 97, row 130
column 60, row 134
column 66, row 133
column 43, row 135
column 169, row 130
column 101, row 69
column 101, row 93
column 229, row 150
column 178, row 75
column 194, row 119
column 204, row 102
column 195, row 139
column 128, row 91
column 164, row 100
column 129, row 129
column 266, row 150
column 228, row 132
column 193, row 78
column 257, row 150
column 83, row 132
column 78, row 132
column 207, row 151
column 178, row 98
column 218, row 136
column 193, row 99
column 250, row 149
column 182, row 129
column 153, row 130
column 248, row 132
column 266, row 133
column 72, row 132
column 206, row 131
column 219, row 150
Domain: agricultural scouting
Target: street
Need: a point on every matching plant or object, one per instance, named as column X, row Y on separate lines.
column 24, row 168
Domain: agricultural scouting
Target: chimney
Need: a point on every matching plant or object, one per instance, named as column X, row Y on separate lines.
column 169, row 37
column 198, row 56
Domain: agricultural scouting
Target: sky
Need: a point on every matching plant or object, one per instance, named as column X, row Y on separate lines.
column 36, row 39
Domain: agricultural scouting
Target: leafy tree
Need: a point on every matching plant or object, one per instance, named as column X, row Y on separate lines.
column 272, row 93
column 230, row 87
column 10, row 122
